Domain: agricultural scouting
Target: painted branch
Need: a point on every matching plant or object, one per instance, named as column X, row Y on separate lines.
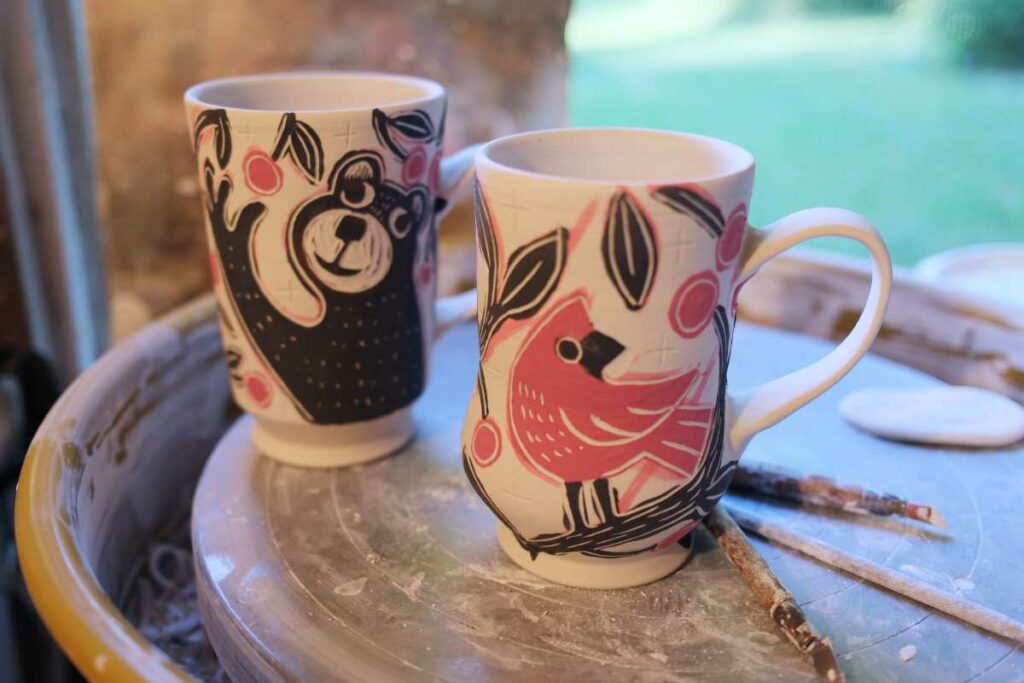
column 770, row 592
column 897, row 582
column 774, row 482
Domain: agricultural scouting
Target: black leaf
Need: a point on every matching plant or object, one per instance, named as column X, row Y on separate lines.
column 692, row 203
column 298, row 140
column 217, row 192
column 532, row 275
column 380, row 127
column 630, row 250
column 218, row 118
column 307, row 138
column 226, row 320
column 415, row 125
column 481, row 389
column 208, row 177
column 233, row 357
column 284, row 135
column 485, row 237
column 444, row 119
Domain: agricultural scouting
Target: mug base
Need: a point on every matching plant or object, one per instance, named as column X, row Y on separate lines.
column 581, row 571
column 315, row 446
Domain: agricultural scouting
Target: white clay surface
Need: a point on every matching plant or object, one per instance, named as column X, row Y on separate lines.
column 391, row 570
column 951, row 416
column 995, row 271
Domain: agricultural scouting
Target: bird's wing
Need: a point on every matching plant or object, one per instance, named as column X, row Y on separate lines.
column 653, row 396
column 621, row 413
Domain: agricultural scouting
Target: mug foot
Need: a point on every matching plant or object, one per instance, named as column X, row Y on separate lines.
column 312, row 445
column 582, row 571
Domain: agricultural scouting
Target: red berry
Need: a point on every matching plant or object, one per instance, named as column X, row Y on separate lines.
column 486, row 443
column 258, row 388
column 415, row 165
column 424, row 273
column 214, row 268
column 693, row 304
column 434, row 176
column 262, row 175
column 731, row 241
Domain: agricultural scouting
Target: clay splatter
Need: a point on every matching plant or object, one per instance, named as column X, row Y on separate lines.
column 962, row 583
column 71, row 454
column 354, row 587
column 413, row 589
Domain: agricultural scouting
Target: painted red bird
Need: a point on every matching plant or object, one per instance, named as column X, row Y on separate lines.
column 574, row 425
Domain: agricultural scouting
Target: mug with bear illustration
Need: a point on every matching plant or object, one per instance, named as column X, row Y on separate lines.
column 321, row 193
column 600, row 431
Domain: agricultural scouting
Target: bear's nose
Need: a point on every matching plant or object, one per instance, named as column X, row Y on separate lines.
column 351, row 229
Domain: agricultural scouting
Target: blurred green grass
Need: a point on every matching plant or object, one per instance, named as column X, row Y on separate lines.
column 862, row 112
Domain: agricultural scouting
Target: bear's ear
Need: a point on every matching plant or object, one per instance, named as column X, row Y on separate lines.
column 356, row 177
column 409, row 215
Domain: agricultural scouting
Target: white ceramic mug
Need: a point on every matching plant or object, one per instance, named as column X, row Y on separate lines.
column 600, row 431
column 321, row 191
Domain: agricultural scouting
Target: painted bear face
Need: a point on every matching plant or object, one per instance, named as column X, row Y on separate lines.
column 348, row 238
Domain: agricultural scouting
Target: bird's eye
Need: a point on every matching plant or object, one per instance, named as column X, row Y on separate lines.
column 569, row 350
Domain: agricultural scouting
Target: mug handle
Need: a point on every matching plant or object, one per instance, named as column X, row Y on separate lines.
column 456, row 174
column 762, row 406
column 451, row 311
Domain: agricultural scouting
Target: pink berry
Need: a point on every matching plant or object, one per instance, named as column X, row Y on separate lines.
column 731, row 241
column 415, row 166
column 486, row 443
column 262, row 175
column 693, row 304
column 258, row 389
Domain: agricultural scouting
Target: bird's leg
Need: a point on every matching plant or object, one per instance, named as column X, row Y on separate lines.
column 593, row 510
column 603, row 491
column 588, row 504
column 571, row 515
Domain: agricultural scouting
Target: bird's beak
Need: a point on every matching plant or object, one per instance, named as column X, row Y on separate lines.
column 598, row 351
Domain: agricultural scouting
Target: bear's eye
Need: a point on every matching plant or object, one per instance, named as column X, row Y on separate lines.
column 569, row 350
column 401, row 222
column 357, row 194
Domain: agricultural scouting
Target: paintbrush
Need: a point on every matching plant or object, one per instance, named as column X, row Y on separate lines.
column 775, row 482
column 770, row 592
column 895, row 581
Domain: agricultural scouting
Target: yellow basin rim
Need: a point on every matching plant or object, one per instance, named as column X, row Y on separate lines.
column 89, row 628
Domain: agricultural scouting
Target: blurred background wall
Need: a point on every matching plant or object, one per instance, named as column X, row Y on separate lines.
column 503, row 62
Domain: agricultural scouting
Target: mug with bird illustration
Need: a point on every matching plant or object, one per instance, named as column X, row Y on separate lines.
column 600, row 431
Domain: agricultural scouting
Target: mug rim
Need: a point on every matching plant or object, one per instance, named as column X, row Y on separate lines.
column 742, row 161
column 430, row 90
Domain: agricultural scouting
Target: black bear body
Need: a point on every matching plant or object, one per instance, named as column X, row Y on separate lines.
column 354, row 248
